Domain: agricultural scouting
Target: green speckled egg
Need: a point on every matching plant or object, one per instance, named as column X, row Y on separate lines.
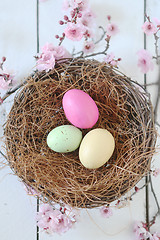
column 65, row 138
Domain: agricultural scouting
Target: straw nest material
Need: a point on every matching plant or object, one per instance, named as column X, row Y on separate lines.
column 125, row 110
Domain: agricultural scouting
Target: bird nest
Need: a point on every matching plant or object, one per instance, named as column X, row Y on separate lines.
column 124, row 109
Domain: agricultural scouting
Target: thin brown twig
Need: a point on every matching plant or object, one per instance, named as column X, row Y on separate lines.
column 154, row 218
column 77, row 53
column 154, row 194
column 150, row 84
column 81, row 53
column 102, row 36
column 157, row 203
column 134, row 193
column 99, row 53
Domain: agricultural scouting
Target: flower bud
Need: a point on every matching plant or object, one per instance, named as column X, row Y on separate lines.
column 65, row 17
column 61, row 22
column 3, row 59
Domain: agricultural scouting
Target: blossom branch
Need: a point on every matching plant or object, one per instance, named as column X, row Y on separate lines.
column 156, row 48
column 157, row 203
column 150, row 84
column 100, row 53
column 1, row 63
column 81, row 53
column 6, row 77
column 78, row 53
column 154, row 194
column 10, row 92
column 157, row 123
column 102, row 36
column 138, row 189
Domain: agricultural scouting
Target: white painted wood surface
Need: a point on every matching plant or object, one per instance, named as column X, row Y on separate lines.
column 18, row 44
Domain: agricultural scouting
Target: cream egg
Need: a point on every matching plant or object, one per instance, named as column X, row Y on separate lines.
column 96, row 148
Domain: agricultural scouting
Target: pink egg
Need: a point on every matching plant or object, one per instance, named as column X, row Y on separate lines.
column 80, row 109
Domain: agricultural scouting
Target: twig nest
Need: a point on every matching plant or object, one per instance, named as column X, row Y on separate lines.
column 124, row 110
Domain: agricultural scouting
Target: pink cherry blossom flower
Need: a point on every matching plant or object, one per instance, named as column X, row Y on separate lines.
column 89, row 13
column 7, row 79
column 65, row 5
column 87, row 19
column 43, row 220
column 149, row 28
column 61, row 52
column 86, row 22
column 43, row 216
column 55, row 220
column 112, row 29
column 58, row 51
column 48, row 47
column 46, row 61
column 145, row 61
column 50, row 53
column 110, row 59
column 74, row 3
column 71, row 213
column 59, row 222
column 88, row 47
column 106, row 212
column 74, row 31
column 81, row 4
column 44, row 208
column 156, row 172
column 140, row 232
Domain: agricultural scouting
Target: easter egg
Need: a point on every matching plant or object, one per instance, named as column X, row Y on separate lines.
column 96, row 148
column 65, row 138
column 80, row 109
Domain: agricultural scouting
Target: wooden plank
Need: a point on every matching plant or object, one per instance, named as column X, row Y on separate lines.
column 18, row 45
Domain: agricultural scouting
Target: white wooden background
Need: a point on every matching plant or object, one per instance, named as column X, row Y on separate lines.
column 18, row 44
